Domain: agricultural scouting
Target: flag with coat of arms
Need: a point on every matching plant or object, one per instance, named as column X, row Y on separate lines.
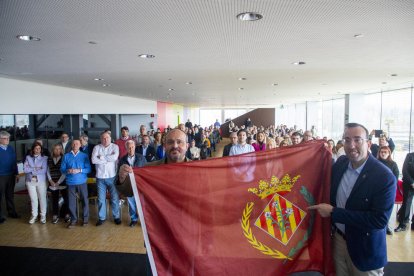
column 238, row 215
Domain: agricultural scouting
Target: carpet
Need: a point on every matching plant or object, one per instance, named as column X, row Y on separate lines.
column 40, row 261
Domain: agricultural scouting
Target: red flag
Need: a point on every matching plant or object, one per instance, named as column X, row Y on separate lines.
column 239, row 215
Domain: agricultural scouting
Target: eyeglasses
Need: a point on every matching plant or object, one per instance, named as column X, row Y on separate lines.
column 171, row 142
column 357, row 140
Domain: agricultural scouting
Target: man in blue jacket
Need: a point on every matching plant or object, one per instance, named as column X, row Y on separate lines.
column 362, row 198
column 131, row 160
column 76, row 166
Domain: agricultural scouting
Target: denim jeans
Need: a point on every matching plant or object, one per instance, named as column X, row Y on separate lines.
column 132, row 209
column 104, row 184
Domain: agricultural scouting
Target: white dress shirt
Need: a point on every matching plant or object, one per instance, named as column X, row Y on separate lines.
column 105, row 160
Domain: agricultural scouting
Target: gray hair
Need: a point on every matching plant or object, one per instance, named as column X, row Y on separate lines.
column 84, row 137
column 129, row 142
column 4, row 133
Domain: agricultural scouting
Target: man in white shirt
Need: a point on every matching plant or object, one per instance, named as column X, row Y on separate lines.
column 242, row 146
column 105, row 156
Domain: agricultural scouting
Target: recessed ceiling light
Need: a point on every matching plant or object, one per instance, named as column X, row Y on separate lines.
column 171, row 89
column 98, row 79
column 358, row 35
column 274, row 84
column 106, row 85
column 249, row 16
column 384, row 82
column 393, row 75
column 28, row 38
column 241, row 88
column 189, row 82
column 299, row 63
column 242, row 79
column 146, row 56
column 92, row 42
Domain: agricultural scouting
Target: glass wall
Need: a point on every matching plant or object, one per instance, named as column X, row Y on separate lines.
column 390, row 111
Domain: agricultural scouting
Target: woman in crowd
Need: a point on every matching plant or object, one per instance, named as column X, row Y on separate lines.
column 332, row 148
column 190, row 135
column 270, row 144
column 260, row 144
column 284, row 143
column 278, row 140
column 384, row 156
column 157, row 140
column 56, row 180
column 35, row 168
column 193, row 151
column 339, row 149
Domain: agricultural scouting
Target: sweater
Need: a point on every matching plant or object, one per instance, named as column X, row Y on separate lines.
column 78, row 161
column 8, row 163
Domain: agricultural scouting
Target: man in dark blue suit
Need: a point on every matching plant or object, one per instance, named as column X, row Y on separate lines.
column 362, row 198
column 146, row 149
column 125, row 165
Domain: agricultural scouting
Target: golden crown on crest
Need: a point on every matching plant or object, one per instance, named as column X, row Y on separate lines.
column 274, row 186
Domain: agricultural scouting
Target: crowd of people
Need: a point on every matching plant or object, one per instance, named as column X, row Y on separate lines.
column 63, row 173
column 66, row 170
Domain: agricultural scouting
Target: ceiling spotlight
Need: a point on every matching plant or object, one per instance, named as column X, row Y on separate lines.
column 299, row 63
column 189, row 82
column 358, row 35
column 98, row 79
column 171, row 89
column 274, row 84
column 242, row 79
column 249, row 16
column 241, row 88
column 92, row 42
column 106, row 85
column 28, row 38
column 146, row 56
column 393, row 75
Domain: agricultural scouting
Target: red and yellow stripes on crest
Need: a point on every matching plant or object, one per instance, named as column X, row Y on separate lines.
column 272, row 227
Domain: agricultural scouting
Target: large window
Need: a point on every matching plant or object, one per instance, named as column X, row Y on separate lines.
column 395, row 120
column 209, row 116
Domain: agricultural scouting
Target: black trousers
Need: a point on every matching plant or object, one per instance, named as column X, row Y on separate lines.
column 55, row 202
column 7, row 183
column 404, row 212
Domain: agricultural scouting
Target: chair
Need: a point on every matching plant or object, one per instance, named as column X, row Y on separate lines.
column 399, row 196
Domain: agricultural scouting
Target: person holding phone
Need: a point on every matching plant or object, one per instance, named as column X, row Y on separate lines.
column 383, row 141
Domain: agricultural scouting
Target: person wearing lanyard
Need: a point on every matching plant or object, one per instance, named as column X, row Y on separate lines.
column 35, row 168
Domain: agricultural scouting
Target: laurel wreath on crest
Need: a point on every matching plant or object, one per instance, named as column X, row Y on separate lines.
column 247, row 231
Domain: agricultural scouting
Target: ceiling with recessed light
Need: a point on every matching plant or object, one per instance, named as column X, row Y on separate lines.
column 199, row 53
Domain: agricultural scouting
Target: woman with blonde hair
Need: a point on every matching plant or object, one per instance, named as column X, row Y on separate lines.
column 57, row 183
column 270, row 144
